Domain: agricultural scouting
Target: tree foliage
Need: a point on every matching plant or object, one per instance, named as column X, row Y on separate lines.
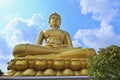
column 1, row 73
column 106, row 64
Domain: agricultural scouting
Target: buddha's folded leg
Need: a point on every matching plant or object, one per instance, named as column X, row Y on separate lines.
column 22, row 50
column 77, row 53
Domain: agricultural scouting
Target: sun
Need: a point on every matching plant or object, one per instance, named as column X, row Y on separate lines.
column 3, row 1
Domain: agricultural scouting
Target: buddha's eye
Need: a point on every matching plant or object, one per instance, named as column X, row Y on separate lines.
column 56, row 18
column 53, row 17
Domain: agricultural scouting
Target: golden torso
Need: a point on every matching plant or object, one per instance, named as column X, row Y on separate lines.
column 54, row 37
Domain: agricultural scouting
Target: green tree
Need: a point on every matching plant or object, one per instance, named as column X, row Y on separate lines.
column 106, row 64
column 1, row 73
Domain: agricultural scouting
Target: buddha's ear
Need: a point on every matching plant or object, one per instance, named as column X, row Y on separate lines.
column 49, row 21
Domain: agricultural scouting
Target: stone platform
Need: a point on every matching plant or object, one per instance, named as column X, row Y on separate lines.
column 47, row 78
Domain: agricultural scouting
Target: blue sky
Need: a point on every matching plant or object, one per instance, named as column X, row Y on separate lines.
column 91, row 23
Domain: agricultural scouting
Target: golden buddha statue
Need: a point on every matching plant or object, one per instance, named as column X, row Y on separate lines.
column 56, row 58
column 58, row 43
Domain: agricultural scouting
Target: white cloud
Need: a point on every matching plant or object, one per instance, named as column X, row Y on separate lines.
column 5, row 52
column 17, row 31
column 76, row 43
column 20, row 30
column 103, row 11
column 3, row 66
column 4, row 59
column 36, row 19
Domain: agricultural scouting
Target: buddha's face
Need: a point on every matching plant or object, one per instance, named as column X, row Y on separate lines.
column 54, row 21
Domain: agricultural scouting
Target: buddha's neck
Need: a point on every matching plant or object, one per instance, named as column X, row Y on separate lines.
column 54, row 27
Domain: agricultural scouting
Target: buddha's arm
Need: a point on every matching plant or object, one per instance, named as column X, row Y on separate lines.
column 40, row 38
column 67, row 40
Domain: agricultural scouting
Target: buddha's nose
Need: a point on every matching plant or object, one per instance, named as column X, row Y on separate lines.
column 55, row 20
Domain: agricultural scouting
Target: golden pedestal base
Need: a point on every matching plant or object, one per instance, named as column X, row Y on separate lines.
column 47, row 67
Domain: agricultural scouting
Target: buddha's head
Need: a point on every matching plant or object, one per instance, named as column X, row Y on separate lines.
column 55, row 20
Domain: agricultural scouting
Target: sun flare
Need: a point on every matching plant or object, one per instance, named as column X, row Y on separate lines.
column 3, row 1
